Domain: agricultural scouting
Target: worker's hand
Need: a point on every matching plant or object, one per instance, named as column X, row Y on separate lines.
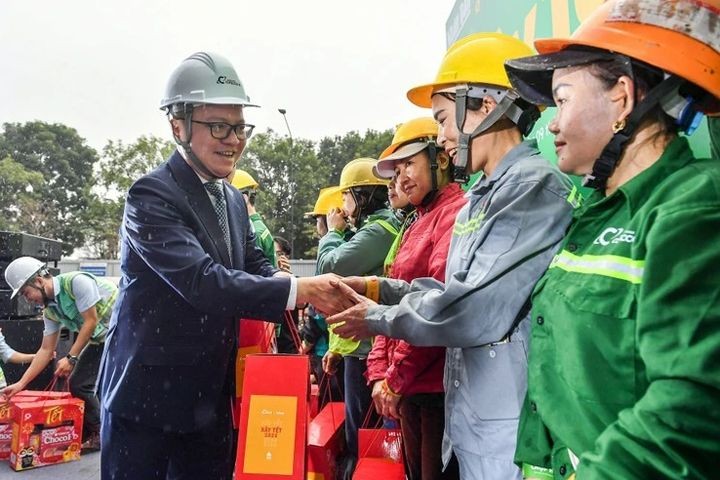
column 358, row 284
column 352, row 320
column 283, row 263
column 322, row 292
column 8, row 392
column 377, row 391
column 391, row 405
column 64, row 368
column 336, row 220
column 306, row 347
column 330, row 362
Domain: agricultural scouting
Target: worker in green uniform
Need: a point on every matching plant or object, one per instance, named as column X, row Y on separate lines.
column 624, row 372
column 248, row 186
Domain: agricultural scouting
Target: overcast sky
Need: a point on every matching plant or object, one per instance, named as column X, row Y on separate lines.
column 334, row 65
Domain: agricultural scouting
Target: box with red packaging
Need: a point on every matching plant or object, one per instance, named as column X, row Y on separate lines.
column 5, row 430
column 6, row 415
column 45, row 432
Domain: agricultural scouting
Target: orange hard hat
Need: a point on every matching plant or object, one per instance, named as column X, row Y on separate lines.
column 679, row 37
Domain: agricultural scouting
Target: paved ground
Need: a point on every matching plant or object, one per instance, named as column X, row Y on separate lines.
column 87, row 468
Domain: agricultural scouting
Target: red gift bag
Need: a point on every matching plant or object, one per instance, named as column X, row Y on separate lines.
column 369, row 468
column 380, row 452
column 326, row 441
column 45, row 432
column 273, row 418
column 254, row 336
column 314, row 404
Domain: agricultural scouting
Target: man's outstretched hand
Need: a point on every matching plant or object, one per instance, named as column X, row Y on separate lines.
column 322, row 292
column 351, row 322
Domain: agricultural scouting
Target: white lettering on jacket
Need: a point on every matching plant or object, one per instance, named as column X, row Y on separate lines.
column 615, row 235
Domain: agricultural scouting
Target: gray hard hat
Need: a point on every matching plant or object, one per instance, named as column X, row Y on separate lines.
column 205, row 78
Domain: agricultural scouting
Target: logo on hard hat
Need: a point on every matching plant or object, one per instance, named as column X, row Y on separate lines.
column 223, row 80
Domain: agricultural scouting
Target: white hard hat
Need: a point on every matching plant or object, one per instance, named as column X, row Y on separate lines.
column 21, row 271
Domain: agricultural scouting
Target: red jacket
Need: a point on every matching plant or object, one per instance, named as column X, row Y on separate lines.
column 422, row 253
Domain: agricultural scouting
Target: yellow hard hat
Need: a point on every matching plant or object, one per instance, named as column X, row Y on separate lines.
column 243, row 180
column 476, row 58
column 328, row 198
column 410, row 138
column 359, row 173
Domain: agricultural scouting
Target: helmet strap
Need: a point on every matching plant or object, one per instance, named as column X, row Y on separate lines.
column 45, row 297
column 460, row 165
column 432, row 151
column 524, row 119
column 605, row 165
column 187, row 145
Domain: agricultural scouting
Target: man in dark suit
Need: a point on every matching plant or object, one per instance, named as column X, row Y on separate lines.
column 190, row 268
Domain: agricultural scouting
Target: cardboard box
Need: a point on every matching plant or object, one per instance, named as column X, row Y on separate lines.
column 46, row 432
column 6, row 414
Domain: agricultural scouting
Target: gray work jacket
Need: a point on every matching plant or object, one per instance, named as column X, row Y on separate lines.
column 503, row 240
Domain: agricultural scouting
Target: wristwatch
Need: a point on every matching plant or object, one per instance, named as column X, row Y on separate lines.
column 72, row 359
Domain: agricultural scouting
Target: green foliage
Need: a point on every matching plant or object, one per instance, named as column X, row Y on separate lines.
column 54, row 185
column 290, row 175
column 338, row 150
column 19, row 197
column 120, row 165
column 292, row 172
column 65, row 162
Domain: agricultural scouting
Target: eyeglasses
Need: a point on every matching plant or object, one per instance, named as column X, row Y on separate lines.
column 221, row 130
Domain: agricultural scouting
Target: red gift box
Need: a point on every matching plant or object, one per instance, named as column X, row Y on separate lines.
column 6, row 414
column 46, row 432
column 273, row 418
column 326, row 440
column 5, row 430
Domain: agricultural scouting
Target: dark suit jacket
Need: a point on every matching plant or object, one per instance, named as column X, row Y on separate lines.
column 169, row 354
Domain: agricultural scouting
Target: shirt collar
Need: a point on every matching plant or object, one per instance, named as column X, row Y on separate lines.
column 524, row 149
column 56, row 290
column 639, row 188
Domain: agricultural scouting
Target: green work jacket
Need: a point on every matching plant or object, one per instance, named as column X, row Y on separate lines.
column 363, row 254
column 624, row 363
column 263, row 238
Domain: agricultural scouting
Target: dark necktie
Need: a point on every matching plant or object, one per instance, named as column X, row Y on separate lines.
column 216, row 190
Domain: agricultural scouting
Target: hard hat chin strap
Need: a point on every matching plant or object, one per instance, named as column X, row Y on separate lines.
column 432, row 151
column 45, row 298
column 605, row 165
column 187, row 145
column 506, row 107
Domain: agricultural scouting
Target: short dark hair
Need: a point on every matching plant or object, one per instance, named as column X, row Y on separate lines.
column 284, row 245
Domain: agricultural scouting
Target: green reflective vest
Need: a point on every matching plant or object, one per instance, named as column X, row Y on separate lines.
column 66, row 312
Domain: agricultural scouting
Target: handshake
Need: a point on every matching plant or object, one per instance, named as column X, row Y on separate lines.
column 341, row 299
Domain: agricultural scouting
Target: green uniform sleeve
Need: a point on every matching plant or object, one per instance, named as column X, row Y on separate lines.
column 714, row 128
column 362, row 255
column 673, row 430
column 267, row 244
column 263, row 238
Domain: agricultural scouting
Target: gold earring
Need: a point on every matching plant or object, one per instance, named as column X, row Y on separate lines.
column 619, row 125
